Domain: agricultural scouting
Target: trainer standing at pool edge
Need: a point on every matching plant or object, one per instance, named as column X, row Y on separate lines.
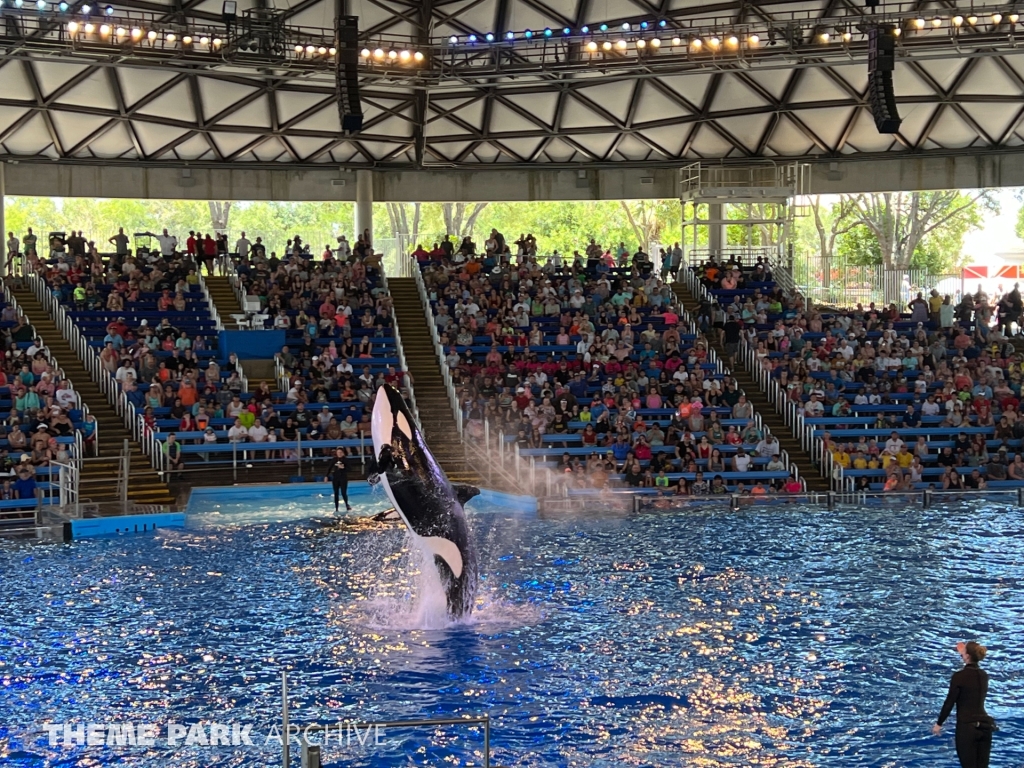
column 967, row 691
column 339, row 478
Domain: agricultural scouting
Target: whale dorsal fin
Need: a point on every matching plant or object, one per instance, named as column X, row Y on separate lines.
column 465, row 492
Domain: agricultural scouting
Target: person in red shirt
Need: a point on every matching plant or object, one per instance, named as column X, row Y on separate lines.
column 190, row 244
column 421, row 253
column 209, row 252
column 642, row 450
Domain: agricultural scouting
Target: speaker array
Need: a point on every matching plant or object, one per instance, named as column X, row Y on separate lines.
column 347, row 74
column 881, row 63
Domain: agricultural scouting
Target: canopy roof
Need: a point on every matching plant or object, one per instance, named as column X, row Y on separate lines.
column 540, row 101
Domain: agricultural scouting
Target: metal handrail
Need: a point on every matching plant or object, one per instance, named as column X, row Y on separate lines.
column 215, row 315
column 438, row 350
column 407, row 379
column 87, row 355
column 701, row 293
column 78, row 449
column 288, row 728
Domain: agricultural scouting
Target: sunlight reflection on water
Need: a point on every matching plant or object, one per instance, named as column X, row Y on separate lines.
column 785, row 637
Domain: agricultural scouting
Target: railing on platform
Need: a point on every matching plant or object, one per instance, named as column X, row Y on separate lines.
column 247, row 455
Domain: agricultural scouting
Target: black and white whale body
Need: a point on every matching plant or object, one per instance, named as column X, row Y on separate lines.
column 427, row 502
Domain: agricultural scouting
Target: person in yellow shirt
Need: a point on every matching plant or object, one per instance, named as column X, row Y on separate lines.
column 840, row 456
column 934, row 306
column 904, row 458
column 888, row 459
column 860, row 461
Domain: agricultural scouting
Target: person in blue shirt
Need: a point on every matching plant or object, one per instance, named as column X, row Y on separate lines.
column 113, row 337
column 982, row 389
column 621, row 448
column 911, row 418
column 25, row 486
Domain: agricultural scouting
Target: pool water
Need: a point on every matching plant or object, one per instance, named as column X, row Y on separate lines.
column 766, row 637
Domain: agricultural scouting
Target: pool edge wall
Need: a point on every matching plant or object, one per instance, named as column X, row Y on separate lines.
column 525, row 505
column 108, row 526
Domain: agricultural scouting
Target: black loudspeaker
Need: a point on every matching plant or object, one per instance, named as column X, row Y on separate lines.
column 881, row 63
column 346, row 68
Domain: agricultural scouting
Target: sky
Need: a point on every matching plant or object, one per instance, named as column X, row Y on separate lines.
column 997, row 235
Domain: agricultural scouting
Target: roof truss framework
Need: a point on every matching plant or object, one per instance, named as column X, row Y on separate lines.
column 130, row 111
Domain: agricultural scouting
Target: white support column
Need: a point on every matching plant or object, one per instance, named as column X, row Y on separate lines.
column 364, row 202
column 716, row 231
column 3, row 225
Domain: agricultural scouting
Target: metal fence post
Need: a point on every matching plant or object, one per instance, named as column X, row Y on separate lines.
column 285, row 745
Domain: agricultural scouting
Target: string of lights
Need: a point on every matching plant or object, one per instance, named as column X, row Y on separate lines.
column 713, row 34
column 102, row 28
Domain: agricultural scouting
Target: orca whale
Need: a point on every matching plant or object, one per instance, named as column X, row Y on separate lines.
column 427, row 502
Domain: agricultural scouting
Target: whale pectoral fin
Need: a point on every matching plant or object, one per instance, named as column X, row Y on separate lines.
column 385, row 459
column 465, row 492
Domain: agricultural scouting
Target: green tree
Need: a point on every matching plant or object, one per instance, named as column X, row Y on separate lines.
column 921, row 229
column 1019, row 228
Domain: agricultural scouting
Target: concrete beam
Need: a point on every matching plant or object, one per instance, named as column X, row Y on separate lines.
column 919, row 172
column 886, row 173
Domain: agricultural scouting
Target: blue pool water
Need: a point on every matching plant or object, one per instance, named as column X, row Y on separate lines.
column 781, row 637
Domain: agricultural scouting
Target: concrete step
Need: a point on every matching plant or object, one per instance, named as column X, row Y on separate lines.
column 97, row 479
column 766, row 409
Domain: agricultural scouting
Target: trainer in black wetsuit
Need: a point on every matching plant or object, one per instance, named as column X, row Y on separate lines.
column 339, row 478
column 967, row 691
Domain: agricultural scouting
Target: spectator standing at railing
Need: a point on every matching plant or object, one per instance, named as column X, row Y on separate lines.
column 29, row 242
column 242, row 247
column 13, row 246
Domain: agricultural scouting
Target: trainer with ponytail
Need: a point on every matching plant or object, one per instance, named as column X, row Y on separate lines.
column 967, row 692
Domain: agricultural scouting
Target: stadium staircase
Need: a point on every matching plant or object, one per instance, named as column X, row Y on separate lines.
column 436, row 417
column 771, row 419
column 97, row 482
column 223, row 297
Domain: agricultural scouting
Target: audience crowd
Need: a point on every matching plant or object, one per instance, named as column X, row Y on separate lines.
column 927, row 397
column 42, row 417
column 588, row 355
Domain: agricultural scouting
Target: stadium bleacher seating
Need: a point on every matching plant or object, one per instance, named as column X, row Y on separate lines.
column 934, row 376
